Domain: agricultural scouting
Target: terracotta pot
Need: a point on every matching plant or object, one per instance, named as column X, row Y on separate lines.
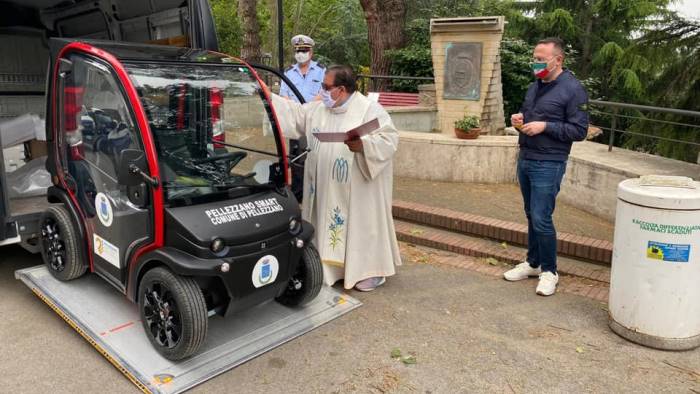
column 469, row 134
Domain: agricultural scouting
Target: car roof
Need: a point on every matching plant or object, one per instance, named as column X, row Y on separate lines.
column 125, row 51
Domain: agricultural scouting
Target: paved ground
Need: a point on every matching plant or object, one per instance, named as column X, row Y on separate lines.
column 468, row 332
column 498, row 201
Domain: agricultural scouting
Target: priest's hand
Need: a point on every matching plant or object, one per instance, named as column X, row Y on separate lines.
column 355, row 145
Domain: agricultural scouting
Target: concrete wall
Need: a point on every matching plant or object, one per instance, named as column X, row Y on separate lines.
column 443, row 158
column 422, row 119
column 590, row 183
column 593, row 174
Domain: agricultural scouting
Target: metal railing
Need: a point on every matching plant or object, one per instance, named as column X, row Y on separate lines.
column 622, row 122
column 645, row 120
column 367, row 82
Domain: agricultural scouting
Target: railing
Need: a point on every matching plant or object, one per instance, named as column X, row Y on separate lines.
column 367, row 83
column 631, row 124
column 639, row 127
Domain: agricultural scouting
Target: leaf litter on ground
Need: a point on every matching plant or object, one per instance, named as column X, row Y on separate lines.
column 408, row 359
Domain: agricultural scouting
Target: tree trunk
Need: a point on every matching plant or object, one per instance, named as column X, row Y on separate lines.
column 586, row 55
column 250, row 50
column 385, row 30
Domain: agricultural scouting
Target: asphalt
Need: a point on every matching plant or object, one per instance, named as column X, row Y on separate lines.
column 468, row 332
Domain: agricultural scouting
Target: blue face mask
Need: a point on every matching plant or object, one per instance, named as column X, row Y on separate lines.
column 328, row 101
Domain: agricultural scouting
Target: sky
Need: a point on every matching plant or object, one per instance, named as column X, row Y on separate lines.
column 688, row 8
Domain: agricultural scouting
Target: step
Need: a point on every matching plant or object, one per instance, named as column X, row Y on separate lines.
column 478, row 247
column 576, row 246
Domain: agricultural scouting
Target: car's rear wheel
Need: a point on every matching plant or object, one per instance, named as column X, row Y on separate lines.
column 60, row 245
column 306, row 282
column 173, row 313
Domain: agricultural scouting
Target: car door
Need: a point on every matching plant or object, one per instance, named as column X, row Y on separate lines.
column 96, row 127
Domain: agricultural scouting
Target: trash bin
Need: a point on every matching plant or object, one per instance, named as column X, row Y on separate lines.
column 655, row 278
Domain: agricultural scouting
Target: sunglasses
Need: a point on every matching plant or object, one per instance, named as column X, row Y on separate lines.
column 304, row 50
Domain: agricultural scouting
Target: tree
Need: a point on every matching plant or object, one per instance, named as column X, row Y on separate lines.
column 672, row 50
column 598, row 31
column 385, row 31
column 228, row 27
column 251, row 46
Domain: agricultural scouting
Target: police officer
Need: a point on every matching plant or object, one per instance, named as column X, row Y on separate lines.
column 307, row 76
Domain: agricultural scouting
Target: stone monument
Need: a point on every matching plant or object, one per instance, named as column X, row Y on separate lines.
column 467, row 68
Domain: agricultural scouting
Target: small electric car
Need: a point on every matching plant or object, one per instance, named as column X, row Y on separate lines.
column 170, row 181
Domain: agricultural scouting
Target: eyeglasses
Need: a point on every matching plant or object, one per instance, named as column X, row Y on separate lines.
column 304, row 50
column 327, row 88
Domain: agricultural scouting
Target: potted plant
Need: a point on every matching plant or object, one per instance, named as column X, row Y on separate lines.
column 467, row 128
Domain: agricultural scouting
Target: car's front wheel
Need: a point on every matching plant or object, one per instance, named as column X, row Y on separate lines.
column 173, row 313
column 60, row 244
column 306, row 282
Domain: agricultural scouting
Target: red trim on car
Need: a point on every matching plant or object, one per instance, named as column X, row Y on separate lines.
column 148, row 144
column 57, row 155
column 285, row 160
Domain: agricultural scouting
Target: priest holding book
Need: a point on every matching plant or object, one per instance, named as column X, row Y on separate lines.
column 347, row 185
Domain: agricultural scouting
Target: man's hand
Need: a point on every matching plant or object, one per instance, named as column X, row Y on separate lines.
column 533, row 128
column 355, row 145
column 516, row 120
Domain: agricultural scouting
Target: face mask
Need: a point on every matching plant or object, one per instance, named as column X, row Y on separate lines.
column 540, row 69
column 328, row 101
column 302, row 57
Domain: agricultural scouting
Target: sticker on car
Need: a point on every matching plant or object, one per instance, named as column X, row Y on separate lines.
column 265, row 271
column 104, row 209
column 106, row 250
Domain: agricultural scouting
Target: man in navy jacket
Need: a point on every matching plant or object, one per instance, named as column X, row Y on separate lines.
column 551, row 118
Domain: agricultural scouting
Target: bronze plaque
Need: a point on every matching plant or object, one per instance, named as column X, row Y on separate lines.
column 462, row 71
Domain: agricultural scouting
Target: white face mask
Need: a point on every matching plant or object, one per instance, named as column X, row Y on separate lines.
column 302, row 57
column 328, row 101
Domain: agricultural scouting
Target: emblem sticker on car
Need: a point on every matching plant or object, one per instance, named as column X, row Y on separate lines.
column 265, row 271
column 104, row 209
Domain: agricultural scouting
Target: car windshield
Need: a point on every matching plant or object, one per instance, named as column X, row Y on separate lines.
column 211, row 128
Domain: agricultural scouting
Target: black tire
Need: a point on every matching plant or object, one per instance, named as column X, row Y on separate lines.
column 309, row 274
column 60, row 244
column 181, row 329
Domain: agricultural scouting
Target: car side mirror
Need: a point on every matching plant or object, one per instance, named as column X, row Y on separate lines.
column 131, row 164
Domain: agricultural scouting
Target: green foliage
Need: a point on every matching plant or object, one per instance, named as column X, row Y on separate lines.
column 634, row 51
column 672, row 54
column 415, row 59
column 515, row 73
column 467, row 123
column 228, row 26
column 338, row 27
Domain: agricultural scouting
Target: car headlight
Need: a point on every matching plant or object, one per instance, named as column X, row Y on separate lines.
column 294, row 225
column 217, row 245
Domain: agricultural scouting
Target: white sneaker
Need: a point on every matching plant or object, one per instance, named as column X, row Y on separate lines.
column 548, row 284
column 521, row 271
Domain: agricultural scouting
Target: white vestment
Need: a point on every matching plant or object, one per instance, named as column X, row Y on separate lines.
column 347, row 196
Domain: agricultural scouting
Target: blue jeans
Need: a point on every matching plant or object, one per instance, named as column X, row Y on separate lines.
column 539, row 184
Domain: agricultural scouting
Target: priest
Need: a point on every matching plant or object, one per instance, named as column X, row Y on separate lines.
column 347, row 186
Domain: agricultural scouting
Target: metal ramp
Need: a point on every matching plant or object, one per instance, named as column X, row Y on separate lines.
column 108, row 321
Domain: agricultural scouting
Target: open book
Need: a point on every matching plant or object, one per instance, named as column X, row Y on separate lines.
column 351, row 134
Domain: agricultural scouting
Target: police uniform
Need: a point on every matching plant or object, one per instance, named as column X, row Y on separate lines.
column 309, row 84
